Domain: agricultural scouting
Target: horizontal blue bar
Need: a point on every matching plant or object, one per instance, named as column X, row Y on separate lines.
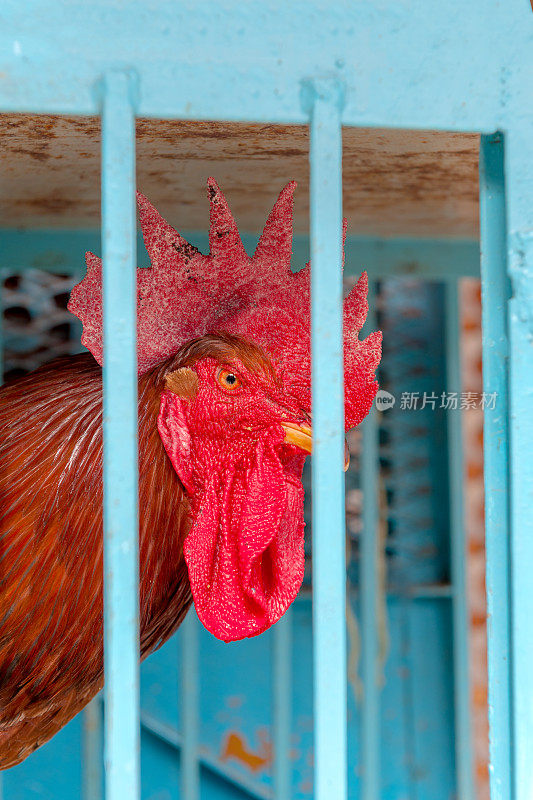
column 404, row 64
column 63, row 251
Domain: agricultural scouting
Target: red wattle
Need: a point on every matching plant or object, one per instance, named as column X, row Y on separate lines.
column 245, row 551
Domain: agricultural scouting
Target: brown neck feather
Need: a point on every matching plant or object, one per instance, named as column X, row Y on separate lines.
column 51, row 533
column 51, row 576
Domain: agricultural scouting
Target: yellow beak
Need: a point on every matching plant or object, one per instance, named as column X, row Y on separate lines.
column 302, row 436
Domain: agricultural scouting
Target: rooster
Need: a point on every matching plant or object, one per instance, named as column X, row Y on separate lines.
column 224, row 416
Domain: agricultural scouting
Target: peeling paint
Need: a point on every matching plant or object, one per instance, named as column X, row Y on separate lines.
column 236, row 747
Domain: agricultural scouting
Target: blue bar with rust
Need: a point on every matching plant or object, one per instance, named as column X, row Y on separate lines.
column 458, row 553
column 121, row 548
column 92, row 766
column 190, row 677
column 370, row 668
column 329, row 567
column 282, row 706
column 495, row 293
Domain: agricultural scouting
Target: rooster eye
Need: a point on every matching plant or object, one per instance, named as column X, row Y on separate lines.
column 228, row 380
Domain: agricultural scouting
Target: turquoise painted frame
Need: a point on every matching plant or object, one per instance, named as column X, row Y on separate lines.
column 398, row 64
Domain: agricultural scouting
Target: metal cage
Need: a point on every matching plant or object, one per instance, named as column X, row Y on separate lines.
column 407, row 65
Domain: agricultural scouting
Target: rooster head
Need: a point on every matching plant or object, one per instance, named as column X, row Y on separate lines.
column 235, row 412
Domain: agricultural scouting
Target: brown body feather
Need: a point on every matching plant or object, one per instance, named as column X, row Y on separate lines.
column 51, row 654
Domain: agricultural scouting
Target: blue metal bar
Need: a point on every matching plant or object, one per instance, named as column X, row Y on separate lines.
column 92, row 751
column 463, row 727
column 370, row 715
column 121, row 548
column 519, row 210
column 329, row 567
column 282, row 694
column 495, row 293
column 190, row 666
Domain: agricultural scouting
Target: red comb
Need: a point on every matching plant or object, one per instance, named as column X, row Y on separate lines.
column 186, row 294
